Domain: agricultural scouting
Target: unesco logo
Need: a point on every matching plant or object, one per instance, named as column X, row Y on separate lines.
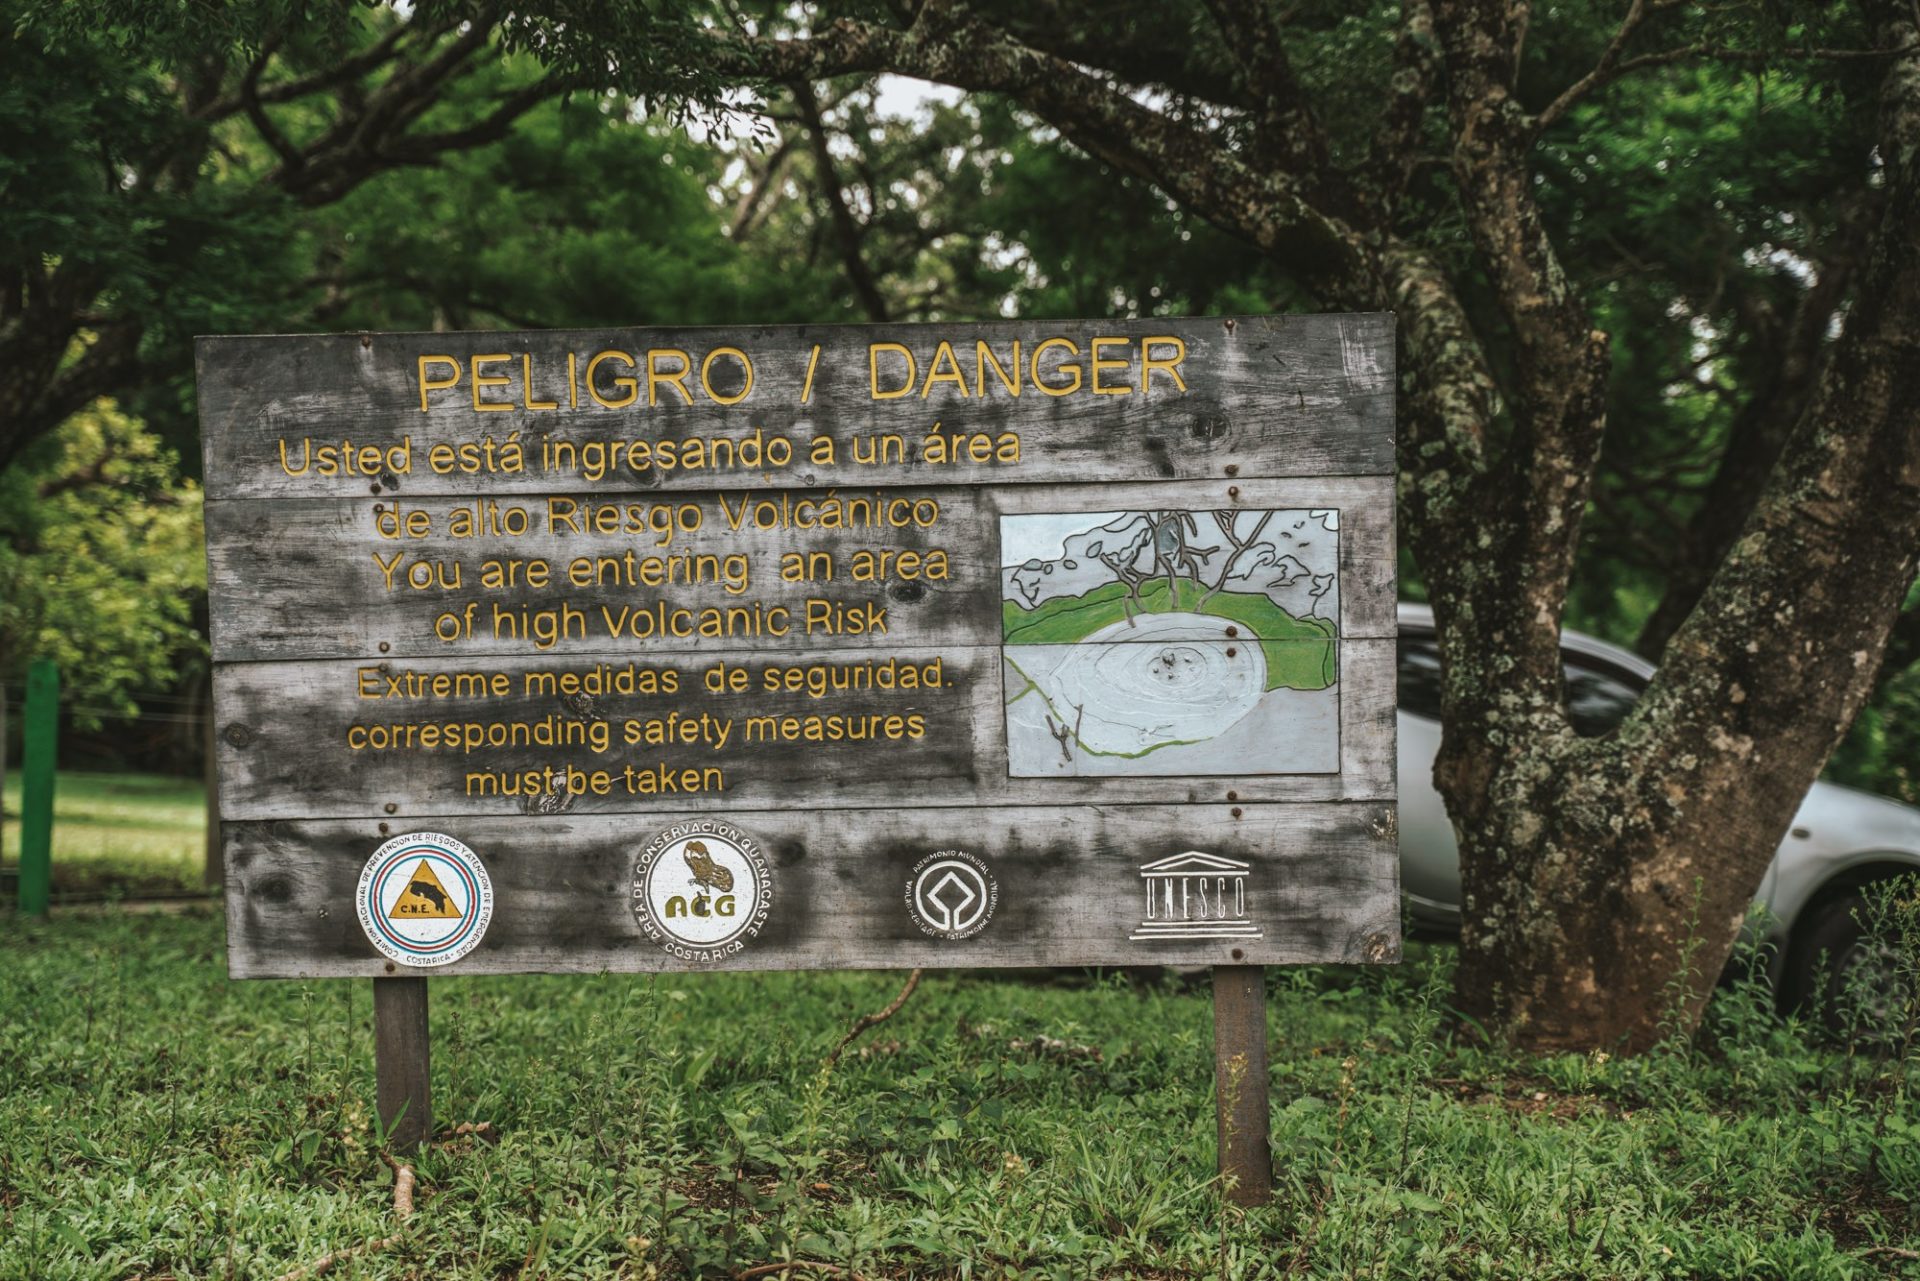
column 951, row 895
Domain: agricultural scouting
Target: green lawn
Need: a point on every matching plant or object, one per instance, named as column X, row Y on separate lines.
column 134, row 833
column 157, row 1120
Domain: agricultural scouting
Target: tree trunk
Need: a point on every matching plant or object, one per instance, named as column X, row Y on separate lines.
column 1605, row 880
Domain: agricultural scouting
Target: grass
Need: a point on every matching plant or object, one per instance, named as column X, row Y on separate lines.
column 1299, row 651
column 132, row 834
column 157, row 1120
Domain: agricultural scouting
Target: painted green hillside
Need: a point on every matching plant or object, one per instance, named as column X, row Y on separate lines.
column 1300, row 652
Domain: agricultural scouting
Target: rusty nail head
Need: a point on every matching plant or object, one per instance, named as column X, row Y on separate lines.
column 1233, row 469
column 374, row 487
column 1233, row 796
column 379, row 507
column 1239, row 955
column 1233, row 491
column 1236, row 811
column 1233, row 631
column 366, row 340
column 392, row 808
column 1231, row 651
column 384, row 647
column 389, row 967
column 1230, row 323
column 383, row 829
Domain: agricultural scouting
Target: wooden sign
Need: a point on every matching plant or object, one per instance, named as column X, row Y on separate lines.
column 948, row 645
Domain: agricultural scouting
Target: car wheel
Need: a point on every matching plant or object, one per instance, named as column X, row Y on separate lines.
column 1852, row 981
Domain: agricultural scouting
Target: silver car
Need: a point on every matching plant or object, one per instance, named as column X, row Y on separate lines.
column 1840, row 841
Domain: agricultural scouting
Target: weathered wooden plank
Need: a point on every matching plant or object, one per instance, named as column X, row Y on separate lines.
column 298, row 740
column 319, row 578
column 1320, row 884
column 1264, row 396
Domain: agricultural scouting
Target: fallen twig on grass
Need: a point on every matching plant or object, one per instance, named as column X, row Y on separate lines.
column 326, row 1261
column 403, row 1180
column 769, row 1269
column 866, row 1021
column 1891, row 1251
column 402, row 1190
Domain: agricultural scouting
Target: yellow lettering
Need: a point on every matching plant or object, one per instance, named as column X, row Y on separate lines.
column 677, row 379
column 1169, row 367
column 1099, row 364
column 873, row 369
column 983, row 357
column 707, row 384
column 481, row 380
column 526, row 386
column 1054, row 389
column 628, row 385
column 429, row 384
column 953, row 374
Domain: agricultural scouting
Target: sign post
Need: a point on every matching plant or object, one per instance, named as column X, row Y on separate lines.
column 403, row 1061
column 1017, row 644
column 1240, row 1082
column 40, row 744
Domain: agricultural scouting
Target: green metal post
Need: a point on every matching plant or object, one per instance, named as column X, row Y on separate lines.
column 41, row 733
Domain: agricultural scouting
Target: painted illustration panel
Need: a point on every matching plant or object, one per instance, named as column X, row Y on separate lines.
column 1167, row 643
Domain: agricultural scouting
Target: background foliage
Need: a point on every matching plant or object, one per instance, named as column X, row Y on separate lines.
column 102, row 563
column 1714, row 211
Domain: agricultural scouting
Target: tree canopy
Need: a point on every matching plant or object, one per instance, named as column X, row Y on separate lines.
column 1655, row 267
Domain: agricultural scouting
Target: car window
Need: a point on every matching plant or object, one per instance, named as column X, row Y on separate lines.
column 1420, row 676
column 1598, row 698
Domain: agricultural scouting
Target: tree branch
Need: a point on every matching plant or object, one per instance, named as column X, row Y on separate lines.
column 1560, row 361
column 1394, row 151
column 1602, row 71
column 495, row 125
column 845, row 229
column 1288, row 133
column 1830, row 550
column 1607, row 72
column 250, row 100
column 352, row 68
column 746, row 210
column 1272, row 210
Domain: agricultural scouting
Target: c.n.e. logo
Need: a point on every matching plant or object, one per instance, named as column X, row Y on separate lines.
column 424, row 898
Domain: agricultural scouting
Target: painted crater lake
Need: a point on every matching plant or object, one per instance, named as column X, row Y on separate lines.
column 1151, row 682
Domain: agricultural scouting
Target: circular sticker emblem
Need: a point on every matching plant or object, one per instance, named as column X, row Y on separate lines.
column 424, row 899
column 701, row 889
column 951, row 894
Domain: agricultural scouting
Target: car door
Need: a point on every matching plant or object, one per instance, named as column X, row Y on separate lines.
column 1600, row 692
column 1429, row 858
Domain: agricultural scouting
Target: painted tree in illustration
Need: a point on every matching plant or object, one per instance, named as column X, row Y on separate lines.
column 1263, row 553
